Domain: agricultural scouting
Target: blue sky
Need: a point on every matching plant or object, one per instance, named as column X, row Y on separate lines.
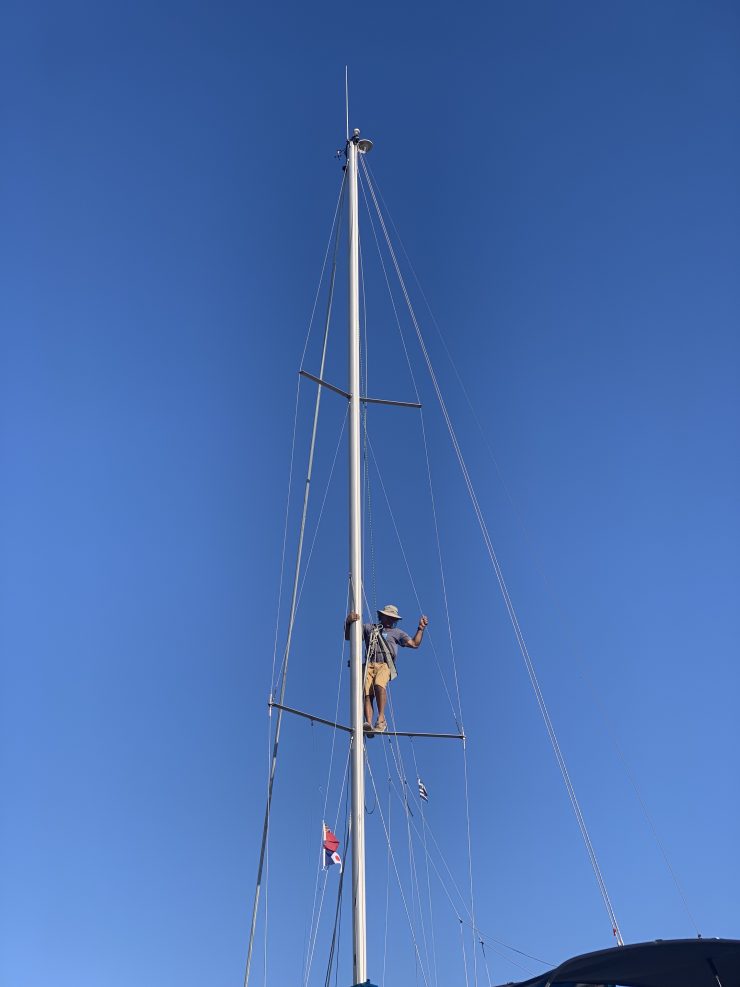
column 564, row 178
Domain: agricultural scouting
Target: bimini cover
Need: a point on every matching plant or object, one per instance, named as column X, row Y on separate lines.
column 663, row 963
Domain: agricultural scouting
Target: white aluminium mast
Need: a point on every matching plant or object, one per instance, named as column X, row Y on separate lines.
column 356, row 146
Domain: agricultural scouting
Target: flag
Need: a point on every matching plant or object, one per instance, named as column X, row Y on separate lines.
column 423, row 794
column 331, row 845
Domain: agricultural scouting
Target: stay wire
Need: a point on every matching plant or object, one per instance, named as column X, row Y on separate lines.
column 458, row 716
column 505, row 593
column 336, row 227
column 313, row 939
column 426, row 861
column 559, row 606
column 465, row 763
column 317, row 526
column 430, row 636
column 387, row 879
column 338, row 913
column 311, row 945
column 465, row 907
column 398, row 876
column 413, row 873
column 364, row 376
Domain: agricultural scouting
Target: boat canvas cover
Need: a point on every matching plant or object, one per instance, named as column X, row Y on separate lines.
column 663, row 963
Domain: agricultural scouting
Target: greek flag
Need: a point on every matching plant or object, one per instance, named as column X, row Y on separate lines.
column 423, row 794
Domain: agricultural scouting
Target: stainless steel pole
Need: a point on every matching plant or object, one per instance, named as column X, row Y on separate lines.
column 359, row 930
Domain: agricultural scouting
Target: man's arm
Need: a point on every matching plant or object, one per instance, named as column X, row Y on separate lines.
column 351, row 618
column 415, row 641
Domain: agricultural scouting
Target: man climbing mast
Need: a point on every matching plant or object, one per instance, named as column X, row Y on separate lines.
column 382, row 641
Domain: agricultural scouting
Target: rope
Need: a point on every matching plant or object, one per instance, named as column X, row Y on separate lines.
column 504, row 590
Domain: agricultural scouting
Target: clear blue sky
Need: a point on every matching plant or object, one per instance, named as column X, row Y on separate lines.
column 565, row 178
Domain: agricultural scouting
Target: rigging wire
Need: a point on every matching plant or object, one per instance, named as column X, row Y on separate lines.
column 321, row 509
column 398, row 876
column 504, row 588
column 336, row 227
column 480, row 935
column 401, row 546
column 456, row 714
column 387, row 879
column 465, row 957
column 267, row 861
column 285, row 537
column 316, row 914
column 560, row 609
column 485, row 961
column 364, row 376
column 426, row 860
column 414, row 877
column 465, row 763
column 471, row 925
column 338, row 913
column 458, row 717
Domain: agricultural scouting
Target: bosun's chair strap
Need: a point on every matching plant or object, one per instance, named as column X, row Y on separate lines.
column 376, row 643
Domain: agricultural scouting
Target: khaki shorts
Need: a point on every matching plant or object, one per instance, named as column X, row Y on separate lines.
column 376, row 673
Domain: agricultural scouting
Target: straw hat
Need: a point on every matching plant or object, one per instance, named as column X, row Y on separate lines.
column 390, row 611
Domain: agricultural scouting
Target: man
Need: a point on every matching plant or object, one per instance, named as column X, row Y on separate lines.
column 382, row 641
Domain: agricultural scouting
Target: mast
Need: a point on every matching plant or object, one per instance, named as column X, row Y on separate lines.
column 359, row 930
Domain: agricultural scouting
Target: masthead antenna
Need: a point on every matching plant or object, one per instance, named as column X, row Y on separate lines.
column 346, row 100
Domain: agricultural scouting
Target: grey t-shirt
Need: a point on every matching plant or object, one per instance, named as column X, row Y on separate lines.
column 394, row 637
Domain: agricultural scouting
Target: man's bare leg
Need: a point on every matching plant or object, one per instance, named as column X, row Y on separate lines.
column 368, row 709
column 380, row 697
